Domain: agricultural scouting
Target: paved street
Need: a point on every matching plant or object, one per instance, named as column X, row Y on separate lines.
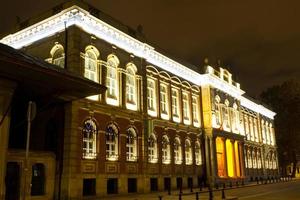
column 277, row 191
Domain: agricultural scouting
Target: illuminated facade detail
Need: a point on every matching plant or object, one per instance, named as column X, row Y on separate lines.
column 111, row 140
column 177, row 151
column 188, row 152
column 89, row 139
column 175, row 105
column 131, row 87
column 151, row 97
column 57, row 55
column 112, row 82
column 198, row 153
column 235, row 119
column 166, row 150
column 237, row 160
column 131, row 145
column 152, row 149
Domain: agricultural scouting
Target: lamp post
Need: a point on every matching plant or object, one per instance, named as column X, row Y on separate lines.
column 31, row 112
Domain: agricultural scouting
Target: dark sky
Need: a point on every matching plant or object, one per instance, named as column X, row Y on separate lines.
column 259, row 40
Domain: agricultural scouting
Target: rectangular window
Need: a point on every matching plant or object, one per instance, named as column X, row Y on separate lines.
column 163, row 99
column 111, row 82
column 112, row 186
column 175, row 103
column 89, row 187
column 195, row 107
column 151, row 97
column 186, row 109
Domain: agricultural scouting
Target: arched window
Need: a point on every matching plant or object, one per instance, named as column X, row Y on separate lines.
column 164, row 103
column 274, row 160
column 235, row 121
column 175, row 105
column 131, row 145
column 166, row 151
column 217, row 114
column 198, row 154
column 249, row 156
column 111, row 136
column 259, row 159
column 131, row 89
column 89, row 139
column 38, row 180
column 57, row 55
column 267, row 132
column 263, row 131
column 152, row 149
column 186, row 107
column 254, row 159
column 177, row 151
column 267, row 162
column 225, row 112
column 90, row 63
column 188, row 152
column 195, row 108
column 112, row 80
column 151, row 97
column 247, row 132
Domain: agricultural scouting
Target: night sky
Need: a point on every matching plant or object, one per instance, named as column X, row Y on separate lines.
column 259, row 41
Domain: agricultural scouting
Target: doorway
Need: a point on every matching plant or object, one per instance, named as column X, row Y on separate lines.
column 12, row 181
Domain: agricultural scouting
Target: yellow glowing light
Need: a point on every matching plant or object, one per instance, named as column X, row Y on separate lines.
column 230, row 161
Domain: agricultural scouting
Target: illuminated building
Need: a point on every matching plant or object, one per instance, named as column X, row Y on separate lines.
column 159, row 125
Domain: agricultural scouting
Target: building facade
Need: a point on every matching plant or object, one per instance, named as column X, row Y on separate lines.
column 160, row 125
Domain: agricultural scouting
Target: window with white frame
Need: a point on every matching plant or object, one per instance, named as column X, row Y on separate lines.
column 151, row 95
column 198, row 154
column 217, row 113
column 131, row 145
column 226, row 119
column 246, row 127
column 166, row 151
column 235, row 118
column 254, row 158
column 274, row 161
column 251, row 129
column 185, row 107
column 249, row 156
column 130, row 84
column 152, row 149
column 90, row 64
column 195, row 108
column 89, row 139
column 112, row 79
column 58, row 56
column 263, row 131
column 111, row 137
column 272, row 136
column 175, row 103
column 188, row 152
column 255, row 130
column 177, row 151
column 258, row 159
column 163, row 99
column 266, row 127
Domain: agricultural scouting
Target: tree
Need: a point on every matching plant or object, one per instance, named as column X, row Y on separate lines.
column 285, row 101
